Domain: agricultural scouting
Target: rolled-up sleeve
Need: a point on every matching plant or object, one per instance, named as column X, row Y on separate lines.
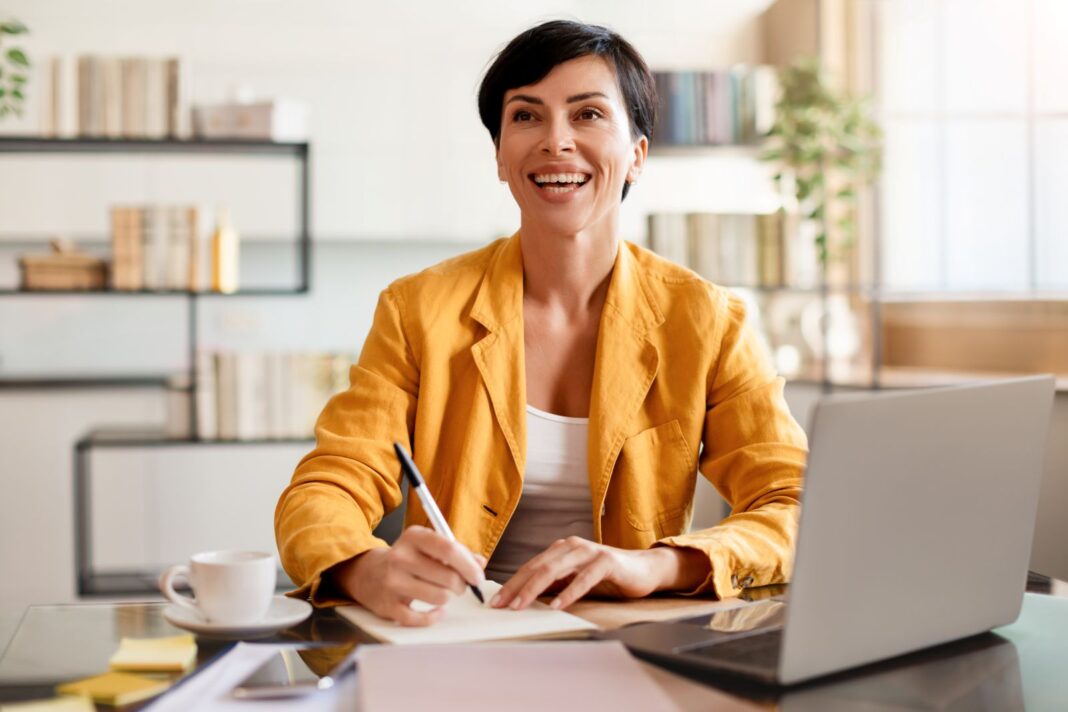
column 351, row 479
column 754, row 454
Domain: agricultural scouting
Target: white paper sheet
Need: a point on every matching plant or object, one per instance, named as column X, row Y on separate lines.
column 519, row 677
column 209, row 690
column 466, row 620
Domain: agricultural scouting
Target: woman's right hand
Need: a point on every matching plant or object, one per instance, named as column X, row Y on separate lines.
column 421, row 565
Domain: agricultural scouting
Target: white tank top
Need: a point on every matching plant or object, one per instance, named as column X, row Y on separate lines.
column 556, row 499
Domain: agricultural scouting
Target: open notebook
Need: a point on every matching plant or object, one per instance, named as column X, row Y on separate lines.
column 466, row 621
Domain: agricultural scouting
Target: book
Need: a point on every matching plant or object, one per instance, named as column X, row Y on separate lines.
column 155, row 98
column 251, row 406
column 206, row 396
column 155, row 236
column 769, row 249
column 703, row 237
column 467, row 621
column 171, row 654
column 115, row 688
column 226, row 396
column 178, row 241
column 111, row 96
column 50, row 76
column 134, row 96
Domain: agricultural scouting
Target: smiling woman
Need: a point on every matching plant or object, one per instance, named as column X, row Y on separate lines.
column 559, row 389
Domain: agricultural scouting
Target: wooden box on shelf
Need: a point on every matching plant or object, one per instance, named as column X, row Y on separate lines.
column 65, row 268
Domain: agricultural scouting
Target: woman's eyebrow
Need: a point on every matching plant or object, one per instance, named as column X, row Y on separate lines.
column 570, row 100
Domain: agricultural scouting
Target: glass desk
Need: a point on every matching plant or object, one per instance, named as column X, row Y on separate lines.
column 1021, row 666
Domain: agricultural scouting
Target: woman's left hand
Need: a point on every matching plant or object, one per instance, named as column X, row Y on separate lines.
column 581, row 567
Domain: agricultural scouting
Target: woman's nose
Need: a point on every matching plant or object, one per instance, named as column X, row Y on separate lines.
column 558, row 138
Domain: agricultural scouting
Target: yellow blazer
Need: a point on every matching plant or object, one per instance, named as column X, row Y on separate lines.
column 680, row 384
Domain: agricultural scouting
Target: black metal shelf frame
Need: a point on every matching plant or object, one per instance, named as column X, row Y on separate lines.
column 94, row 583
column 301, row 151
column 90, row 582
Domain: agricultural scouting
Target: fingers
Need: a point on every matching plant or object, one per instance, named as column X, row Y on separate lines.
column 454, row 555
column 584, row 581
column 403, row 614
column 407, row 586
column 432, row 571
column 563, row 558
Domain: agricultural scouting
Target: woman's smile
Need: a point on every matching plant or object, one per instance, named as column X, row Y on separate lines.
column 557, row 187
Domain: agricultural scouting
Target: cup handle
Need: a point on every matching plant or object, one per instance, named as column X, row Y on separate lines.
column 166, row 586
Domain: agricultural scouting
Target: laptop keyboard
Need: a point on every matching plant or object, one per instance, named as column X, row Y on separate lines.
column 759, row 650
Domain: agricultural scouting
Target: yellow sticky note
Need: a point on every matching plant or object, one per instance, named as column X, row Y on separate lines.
column 174, row 654
column 55, row 704
column 115, row 688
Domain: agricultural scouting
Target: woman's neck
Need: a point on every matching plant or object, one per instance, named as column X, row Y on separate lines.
column 567, row 272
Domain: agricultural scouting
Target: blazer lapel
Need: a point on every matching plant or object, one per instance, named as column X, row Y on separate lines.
column 499, row 353
column 626, row 364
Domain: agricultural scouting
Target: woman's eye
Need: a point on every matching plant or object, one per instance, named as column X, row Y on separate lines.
column 589, row 114
column 521, row 115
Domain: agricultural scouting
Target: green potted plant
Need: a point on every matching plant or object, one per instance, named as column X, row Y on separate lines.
column 14, row 70
column 826, row 147
column 825, row 142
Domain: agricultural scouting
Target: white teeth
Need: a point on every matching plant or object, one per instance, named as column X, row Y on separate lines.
column 560, row 178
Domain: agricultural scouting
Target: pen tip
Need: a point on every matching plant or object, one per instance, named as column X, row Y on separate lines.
column 478, row 595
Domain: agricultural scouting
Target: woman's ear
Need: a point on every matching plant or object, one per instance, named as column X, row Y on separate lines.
column 500, row 166
column 641, row 151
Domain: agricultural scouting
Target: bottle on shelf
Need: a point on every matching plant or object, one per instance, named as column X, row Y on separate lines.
column 225, row 253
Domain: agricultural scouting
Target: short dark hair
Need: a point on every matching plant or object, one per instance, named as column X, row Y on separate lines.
column 532, row 54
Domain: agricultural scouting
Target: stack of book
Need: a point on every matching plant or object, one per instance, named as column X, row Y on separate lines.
column 734, row 106
column 252, row 396
column 114, row 97
column 738, row 250
column 156, row 248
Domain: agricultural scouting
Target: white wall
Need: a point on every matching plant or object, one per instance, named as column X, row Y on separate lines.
column 403, row 176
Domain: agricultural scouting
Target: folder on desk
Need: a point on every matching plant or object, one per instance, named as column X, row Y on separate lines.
column 466, row 621
column 573, row 675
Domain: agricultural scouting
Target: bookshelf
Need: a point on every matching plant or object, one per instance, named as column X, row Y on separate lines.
column 89, row 580
column 767, row 254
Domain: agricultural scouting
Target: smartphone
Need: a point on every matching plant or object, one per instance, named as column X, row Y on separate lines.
column 299, row 670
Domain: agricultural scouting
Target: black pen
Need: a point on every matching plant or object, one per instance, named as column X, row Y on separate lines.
column 415, row 480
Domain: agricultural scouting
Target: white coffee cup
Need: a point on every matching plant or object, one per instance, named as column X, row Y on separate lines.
column 232, row 587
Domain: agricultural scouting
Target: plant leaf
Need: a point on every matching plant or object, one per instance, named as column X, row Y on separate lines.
column 14, row 27
column 17, row 56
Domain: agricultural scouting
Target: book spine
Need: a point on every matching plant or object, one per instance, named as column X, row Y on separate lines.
column 193, row 242
column 226, row 390
column 111, row 96
column 172, row 69
column 177, row 266
column 206, row 396
column 155, row 99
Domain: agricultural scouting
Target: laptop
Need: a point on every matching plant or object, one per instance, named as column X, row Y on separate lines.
column 916, row 526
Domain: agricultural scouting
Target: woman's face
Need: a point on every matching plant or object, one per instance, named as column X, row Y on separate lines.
column 565, row 146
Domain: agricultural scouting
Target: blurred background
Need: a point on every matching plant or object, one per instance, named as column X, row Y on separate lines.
column 200, row 202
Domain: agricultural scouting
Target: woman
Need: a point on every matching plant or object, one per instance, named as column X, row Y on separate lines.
column 555, row 386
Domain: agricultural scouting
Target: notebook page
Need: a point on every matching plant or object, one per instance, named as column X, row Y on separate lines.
column 466, row 620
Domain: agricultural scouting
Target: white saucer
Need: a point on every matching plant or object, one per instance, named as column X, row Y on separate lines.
column 283, row 613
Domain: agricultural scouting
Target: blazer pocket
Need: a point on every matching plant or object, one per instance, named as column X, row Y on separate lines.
column 658, row 473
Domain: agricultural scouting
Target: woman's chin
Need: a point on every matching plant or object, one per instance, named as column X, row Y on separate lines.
column 559, row 224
